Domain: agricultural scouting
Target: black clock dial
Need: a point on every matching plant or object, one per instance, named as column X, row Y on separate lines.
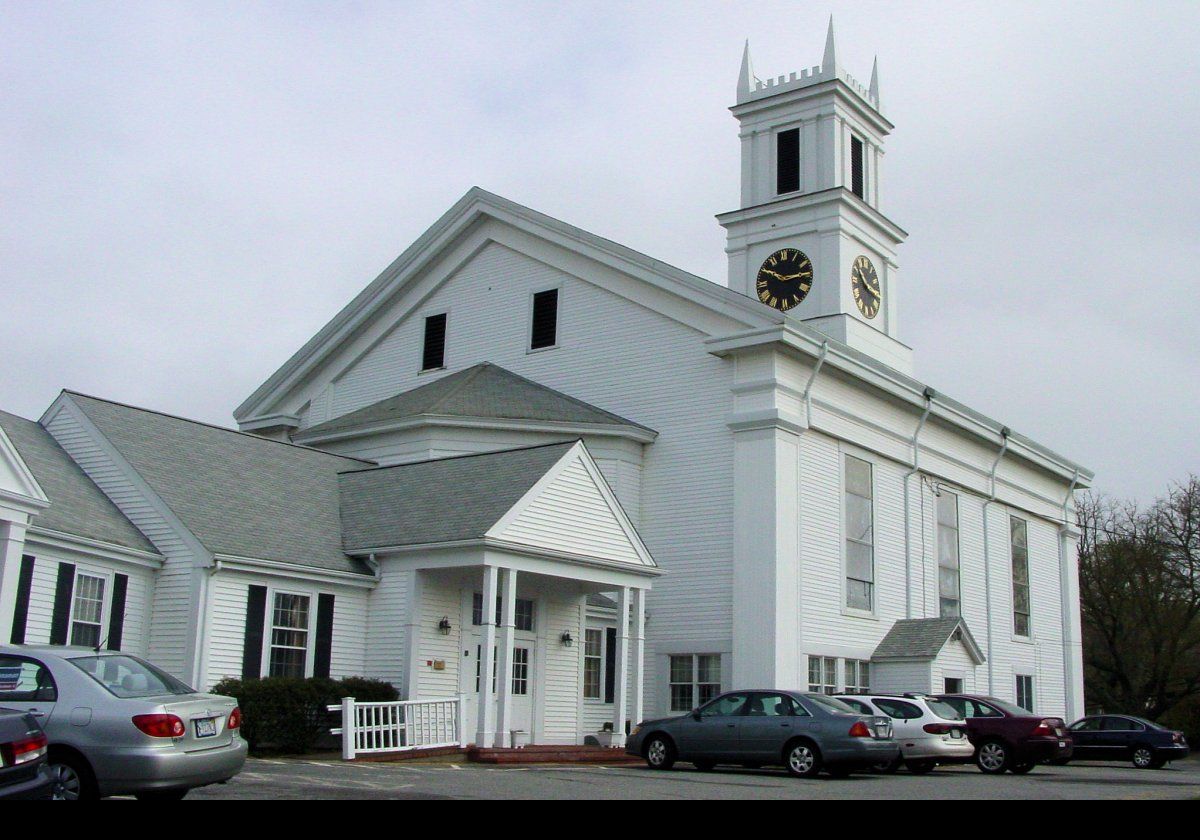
column 784, row 279
column 864, row 284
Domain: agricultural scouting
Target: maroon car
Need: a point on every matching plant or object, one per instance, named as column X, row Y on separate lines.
column 1007, row 737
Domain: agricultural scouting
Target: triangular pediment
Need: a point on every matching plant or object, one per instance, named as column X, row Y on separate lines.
column 571, row 510
column 18, row 487
column 479, row 220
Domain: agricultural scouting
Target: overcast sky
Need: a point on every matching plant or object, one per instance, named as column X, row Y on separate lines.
column 189, row 191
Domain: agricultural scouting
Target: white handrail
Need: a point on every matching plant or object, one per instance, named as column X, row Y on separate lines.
column 400, row 725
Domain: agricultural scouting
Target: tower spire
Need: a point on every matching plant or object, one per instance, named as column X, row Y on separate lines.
column 874, row 91
column 829, row 62
column 746, row 77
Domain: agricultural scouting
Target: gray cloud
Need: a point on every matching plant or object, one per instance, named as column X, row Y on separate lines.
column 189, row 191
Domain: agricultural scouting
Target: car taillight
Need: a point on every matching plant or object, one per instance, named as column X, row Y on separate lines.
column 860, row 730
column 1046, row 727
column 938, row 728
column 160, row 726
column 235, row 719
column 24, row 751
column 1177, row 737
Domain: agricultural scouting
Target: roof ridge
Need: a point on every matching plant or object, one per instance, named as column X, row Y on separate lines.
column 463, row 456
column 213, row 426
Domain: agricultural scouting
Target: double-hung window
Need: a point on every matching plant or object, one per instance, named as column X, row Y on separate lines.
column 87, row 610
column 593, row 663
column 947, row 540
column 289, row 635
column 1025, row 692
column 1020, row 575
column 695, row 679
column 822, row 674
column 858, row 676
column 860, row 535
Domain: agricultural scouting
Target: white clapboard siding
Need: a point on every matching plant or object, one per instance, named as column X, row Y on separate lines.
column 954, row 661
column 176, row 587
column 227, row 629
column 438, row 600
column 561, row 685
column 571, row 514
column 387, row 628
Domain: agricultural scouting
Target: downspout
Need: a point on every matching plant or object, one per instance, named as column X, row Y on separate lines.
column 1066, row 597
column 987, row 556
column 916, row 468
column 812, row 381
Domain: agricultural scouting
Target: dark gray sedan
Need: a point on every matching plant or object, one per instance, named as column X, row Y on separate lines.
column 803, row 732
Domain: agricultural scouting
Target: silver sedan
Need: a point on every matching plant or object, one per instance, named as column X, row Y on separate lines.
column 119, row 725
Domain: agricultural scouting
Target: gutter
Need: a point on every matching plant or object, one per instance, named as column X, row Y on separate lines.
column 987, row 557
column 812, row 381
column 916, row 468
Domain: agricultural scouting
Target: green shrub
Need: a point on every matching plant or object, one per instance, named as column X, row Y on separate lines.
column 290, row 715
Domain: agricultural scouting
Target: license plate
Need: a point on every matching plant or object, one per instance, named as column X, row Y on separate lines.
column 956, row 733
column 1062, row 743
column 206, row 727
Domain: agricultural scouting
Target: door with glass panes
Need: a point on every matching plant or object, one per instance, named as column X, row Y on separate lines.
column 524, row 649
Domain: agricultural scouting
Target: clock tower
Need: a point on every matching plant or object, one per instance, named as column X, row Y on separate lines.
column 810, row 237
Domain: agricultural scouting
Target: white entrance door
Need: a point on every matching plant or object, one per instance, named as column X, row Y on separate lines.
column 522, row 685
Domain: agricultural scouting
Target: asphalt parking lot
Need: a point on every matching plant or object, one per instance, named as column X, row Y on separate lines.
column 302, row 779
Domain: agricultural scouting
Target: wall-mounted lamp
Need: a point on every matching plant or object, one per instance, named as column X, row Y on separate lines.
column 444, row 626
column 566, row 639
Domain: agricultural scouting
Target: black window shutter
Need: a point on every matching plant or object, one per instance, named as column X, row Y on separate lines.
column 787, row 161
column 433, row 355
column 21, row 613
column 545, row 320
column 256, row 616
column 116, row 615
column 324, row 644
column 610, row 664
column 63, row 590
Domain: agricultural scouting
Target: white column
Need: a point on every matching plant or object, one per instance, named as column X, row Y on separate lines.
column 508, row 620
column 621, row 663
column 12, row 544
column 639, row 655
column 485, row 731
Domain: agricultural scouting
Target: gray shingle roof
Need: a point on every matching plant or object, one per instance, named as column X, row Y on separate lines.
column 445, row 500
column 77, row 506
column 237, row 493
column 923, row 638
column 484, row 390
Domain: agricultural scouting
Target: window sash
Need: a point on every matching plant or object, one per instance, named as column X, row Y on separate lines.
column 593, row 663
column 87, row 610
column 1022, row 609
column 695, row 679
column 858, row 522
column 290, row 632
column 523, row 612
column 949, row 576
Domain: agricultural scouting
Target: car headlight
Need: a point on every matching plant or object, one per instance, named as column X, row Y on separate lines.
column 635, row 731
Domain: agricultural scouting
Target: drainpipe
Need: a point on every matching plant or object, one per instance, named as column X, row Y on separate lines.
column 916, row 468
column 987, row 556
column 1067, row 600
column 812, row 380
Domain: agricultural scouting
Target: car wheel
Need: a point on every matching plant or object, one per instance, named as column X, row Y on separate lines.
column 992, row 757
column 173, row 795
column 1022, row 768
column 920, row 767
column 888, row 766
column 704, row 766
column 72, row 778
column 1143, row 758
column 660, row 753
column 802, row 759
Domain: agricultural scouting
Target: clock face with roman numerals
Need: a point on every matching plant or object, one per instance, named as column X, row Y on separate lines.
column 864, row 284
column 784, row 279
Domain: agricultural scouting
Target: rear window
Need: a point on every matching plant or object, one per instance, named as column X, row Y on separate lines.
column 943, row 709
column 127, row 677
column 832, row 703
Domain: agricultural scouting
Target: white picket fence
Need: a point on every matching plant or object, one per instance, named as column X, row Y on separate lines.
column 401, row 725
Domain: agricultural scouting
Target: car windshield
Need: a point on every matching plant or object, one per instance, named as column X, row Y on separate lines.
column 943, row 710
column 833, row 704
column 127, row 677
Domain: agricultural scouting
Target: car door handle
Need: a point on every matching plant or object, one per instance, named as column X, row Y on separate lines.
column 786, row 725
column 731, row 725
column 36, row 713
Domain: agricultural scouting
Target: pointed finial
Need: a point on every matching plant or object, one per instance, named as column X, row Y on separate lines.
column 746, row 77
column 829, row 62
column 875, row 82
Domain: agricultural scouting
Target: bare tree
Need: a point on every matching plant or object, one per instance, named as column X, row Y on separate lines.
column 1139, row 581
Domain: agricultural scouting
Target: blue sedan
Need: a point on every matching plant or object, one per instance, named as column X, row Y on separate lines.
column 803, row 732
column 1126, row 738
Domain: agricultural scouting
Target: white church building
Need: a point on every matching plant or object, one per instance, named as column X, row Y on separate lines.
column 637, row 487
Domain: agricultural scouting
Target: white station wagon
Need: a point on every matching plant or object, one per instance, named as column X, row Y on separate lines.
column 928, row 731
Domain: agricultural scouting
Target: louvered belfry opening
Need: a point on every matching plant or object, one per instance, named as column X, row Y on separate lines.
column 434, row 353
column 545, row 320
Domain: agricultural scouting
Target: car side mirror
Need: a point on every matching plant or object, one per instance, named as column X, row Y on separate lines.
column 696, row 714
